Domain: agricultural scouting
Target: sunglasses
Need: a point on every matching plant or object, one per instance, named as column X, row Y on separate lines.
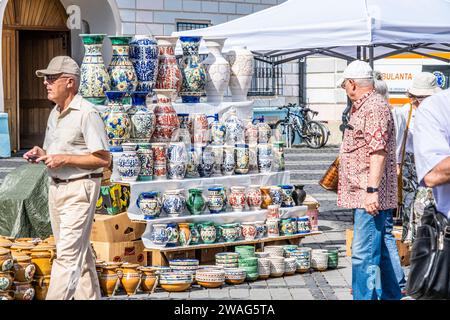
column 53, row 78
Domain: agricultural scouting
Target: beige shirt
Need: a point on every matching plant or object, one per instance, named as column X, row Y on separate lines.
column 79, row 130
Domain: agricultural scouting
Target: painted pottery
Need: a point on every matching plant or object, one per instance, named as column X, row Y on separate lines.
column 129, row 165
column 218, row 160
column 235, row 130
column 319, row 259
column 261, row 229
column 6, row 295
column 275, row 194
column 274, row 251
column 254, row 197
column 206, row 165
column 94, row 78
column 266, row 198
column 303, row 256
column 235, row 275
column 143, row 120
column 313, row 214
column 42, row 258
column 217, row 70
column 195, row 234
column 263, row 268
column 159, row 161
column 166, row 117
column 148, row 278
column 145, row 155
column 229, row 161
column 277, row 266
column 303, row 225
column 253, row 159
column 290, row 266
column 159, row 236
column 169, row 74
column 229, row 233
column 194, row 159
column 129, row 277
column 193, row 72
column 333, row 258
column 278, row 156
column 210, row 278
column 108, row 278
column 286, row 194
column 144, row 54
column 208, row 232
column 198, row 127
column 273, row 228
column 196, row 203
column 298, row 195
column 264, row 132
column 184, row 134
column 216, row 200
column 237, row 198
column 150, row 204
column 249, row 231
column 218, row 131
column 115, row 152
column 241, row 62
column 264, row 158
column 41, row 285
column 286, row 227
column 121, row 69
column 242, row 158
column 6, row 280
column 23, row 290
column 251, row 132
column 177, row 161
column 185, row 234
column 5, row 243
column 6, row 260
column 173, row 203
column 117, row 122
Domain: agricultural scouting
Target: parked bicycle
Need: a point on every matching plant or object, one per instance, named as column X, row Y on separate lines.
column 298, row 122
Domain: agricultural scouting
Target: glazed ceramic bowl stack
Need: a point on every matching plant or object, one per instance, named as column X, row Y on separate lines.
column 289, row 248
column 333, row 258
column 277, row 266
column 245, row 251
column 264, row 268
column 175, row 281
column 184, row 264
column 235, row 275
column 261, row 254
column 227, row 259
column 319, row 259
column 274, row 251
column 250, row 265
column 210, row 278
column 290, row 266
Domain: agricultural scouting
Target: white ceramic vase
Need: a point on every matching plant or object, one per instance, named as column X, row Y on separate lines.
column 217, row 70
column 241, row 62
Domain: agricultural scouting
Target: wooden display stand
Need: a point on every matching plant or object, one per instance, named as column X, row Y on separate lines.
column 125, row 251
column 205, row 253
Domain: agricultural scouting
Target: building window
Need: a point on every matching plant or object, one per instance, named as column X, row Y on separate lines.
column 267, row 79
column 190, row 25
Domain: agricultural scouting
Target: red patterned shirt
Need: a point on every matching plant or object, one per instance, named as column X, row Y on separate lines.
column 373, row 130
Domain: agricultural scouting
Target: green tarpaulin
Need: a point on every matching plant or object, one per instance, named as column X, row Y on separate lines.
column 24, row 203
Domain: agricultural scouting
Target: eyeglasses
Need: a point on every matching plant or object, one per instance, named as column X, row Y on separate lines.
column 344, row 84
column 417, row 98
column 53, row 78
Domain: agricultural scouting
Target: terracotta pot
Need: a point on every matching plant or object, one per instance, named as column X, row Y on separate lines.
column 6, row 260
column 43, row 258
column 5, row 243
column 41, row 285
column 7, row 295
column 6, row 280
column 23, row 290
column 148, row 278
column 108, row 277
column 129, row 277
column 24, row 269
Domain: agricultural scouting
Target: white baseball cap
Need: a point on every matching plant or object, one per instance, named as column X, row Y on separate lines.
column 356, row 70
column 424, row 84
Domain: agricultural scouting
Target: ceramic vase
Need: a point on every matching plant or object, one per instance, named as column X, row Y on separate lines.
column 117, row 122
column 185, row 234
column 229, row 232
column 143, row 120
column 121, row 69
column 237, row 198
column 241, row 62
column 115, row 152
column 129, row 277
column 169, row 74
column 235, row 131
column 216, row 200
column 264, row 158
column 194, row 159
column 173, row 233
column 195, row 234
column 198, row 127
column 6, row 260
column 166, row 117
column 145, row 155
column 261, row 229
column 129, row 164
column 148, row 279
column 229, row 161
column 173, row 203
column 264, row 132
column 208, row 232
column 273, row 210
column 217, row 70
column 150, row 204
column 218, row 160
column 303, row 256
column 286, row 194
column 193, row 72
column 299, row 195
column 249, row 231
column 253, row 159
column 159, row 161
column 254, row 197
column 195, row 203
column 177, row 161
column 108, row 278
column 278, row 156
column 266, row 199
column 184, row 134
column 286, row 227
column 242, row 157
column 217, row 130
column 23, row 291
column 159, row 235
column 276, row 195
column 251, row 132
column 273, row 229
column 94, row 78
column 6, row 280
column 206, row 165
column 23, row 269
column 144, row 54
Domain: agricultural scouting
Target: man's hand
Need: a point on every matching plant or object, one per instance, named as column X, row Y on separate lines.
column 371, row 204
column 54, row 161
column 34, row 154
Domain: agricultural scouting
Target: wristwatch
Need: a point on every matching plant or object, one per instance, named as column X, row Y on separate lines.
column 371, row 190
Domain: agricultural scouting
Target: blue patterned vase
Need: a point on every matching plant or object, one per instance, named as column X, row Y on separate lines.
column 129, row 165
column 149, row 204
column 216, row 200
column 117, row 122
column 177, row 161
column 218, row 131
column 143, row 120
column 193, row 72
column 206, row 165
column 173, row 203
column 144, row 54
column 276, row 195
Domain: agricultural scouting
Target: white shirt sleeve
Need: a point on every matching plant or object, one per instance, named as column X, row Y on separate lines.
column 400, row 126
column 430, row 139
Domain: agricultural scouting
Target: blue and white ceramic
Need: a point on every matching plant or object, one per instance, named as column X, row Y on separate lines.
column 183, row 133
column 145, row 154
column 116, row 120
column 159, row 235
column 229, row 161
column 216, row 199
column 235, row 130
column 143, row 120
column 173, row 233
column 276, row 195
column 144, row 54
column 115, row 152
column 150, row 204
column 303, row 225
column 264, row 132
column 261, row 229
column 286, row 192
column 177, row 161
column 218, row 131
column 218, row 160
column 242, row 157
column 205, row 167
column 173, row 203
column 129, row 165
column 193, row 163
column 121, row 69
column 193, row 72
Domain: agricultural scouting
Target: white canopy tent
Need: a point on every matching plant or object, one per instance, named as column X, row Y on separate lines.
column 373, row 28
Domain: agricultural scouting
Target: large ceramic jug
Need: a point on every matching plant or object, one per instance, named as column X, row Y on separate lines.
column 143, row 120
column 194, row 74
column 217, row 70
column 235, row 130
column 159, row 235
column 173, row 202
column 129, row 277
column 95, row 80
column 150, row 204
column 117, row 121
column 169, row 74
column 108, row 277
column 195, row 202
column 166, row 117
column 121, row 69
column 177, row 161
column 241, row 62
column 144, row 56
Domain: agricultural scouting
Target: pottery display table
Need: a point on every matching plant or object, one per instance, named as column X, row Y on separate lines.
column 243, row 108
column 161, row 256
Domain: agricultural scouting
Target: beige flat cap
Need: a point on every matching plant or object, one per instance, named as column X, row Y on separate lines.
column 60, row 64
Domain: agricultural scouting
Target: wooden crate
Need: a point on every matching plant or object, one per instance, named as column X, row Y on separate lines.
column 116, row 228
column 127, row 251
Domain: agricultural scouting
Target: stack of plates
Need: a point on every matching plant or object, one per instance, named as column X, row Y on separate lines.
column 245, row 251
column 210, row 278
column 274, row 251
column 175, row 281
column 235, row 275
column 250, row 265
column 227, row 259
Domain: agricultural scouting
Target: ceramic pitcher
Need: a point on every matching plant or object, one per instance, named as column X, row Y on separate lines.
column 145, row 155
column 195, row 202
column 150, row 204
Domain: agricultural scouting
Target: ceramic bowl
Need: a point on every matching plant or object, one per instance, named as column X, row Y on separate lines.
column 252, row 276
column 262, row 254
column 175, row 287
column 248, row 262
column 228, row 265
column 274, row 251
column 228, row 255
column 184, row 262
column 319, row 259
column 219, row 260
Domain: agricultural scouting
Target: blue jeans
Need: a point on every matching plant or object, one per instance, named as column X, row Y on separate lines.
column 373, row 271
column 391, row 244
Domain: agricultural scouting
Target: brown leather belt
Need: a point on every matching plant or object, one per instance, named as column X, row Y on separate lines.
column 89, row 176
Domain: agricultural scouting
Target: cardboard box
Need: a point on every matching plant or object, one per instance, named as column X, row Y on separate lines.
column 116, row 228
column 127, row 251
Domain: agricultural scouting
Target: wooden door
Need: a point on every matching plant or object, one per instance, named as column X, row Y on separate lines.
column 34, row 107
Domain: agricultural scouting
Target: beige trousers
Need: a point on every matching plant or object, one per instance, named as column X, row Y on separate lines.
column 72, row 209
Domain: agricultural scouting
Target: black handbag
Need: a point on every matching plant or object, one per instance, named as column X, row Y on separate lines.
column 429, row 276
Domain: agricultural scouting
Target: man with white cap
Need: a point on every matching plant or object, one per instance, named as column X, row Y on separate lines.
column 368, row 184
column 75, row 150
column 412, row 199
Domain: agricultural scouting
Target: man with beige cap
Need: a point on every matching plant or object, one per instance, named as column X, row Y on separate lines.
column 75, row 150
column 412, row 198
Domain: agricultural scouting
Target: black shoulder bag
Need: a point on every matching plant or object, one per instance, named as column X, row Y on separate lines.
column 429, row 276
